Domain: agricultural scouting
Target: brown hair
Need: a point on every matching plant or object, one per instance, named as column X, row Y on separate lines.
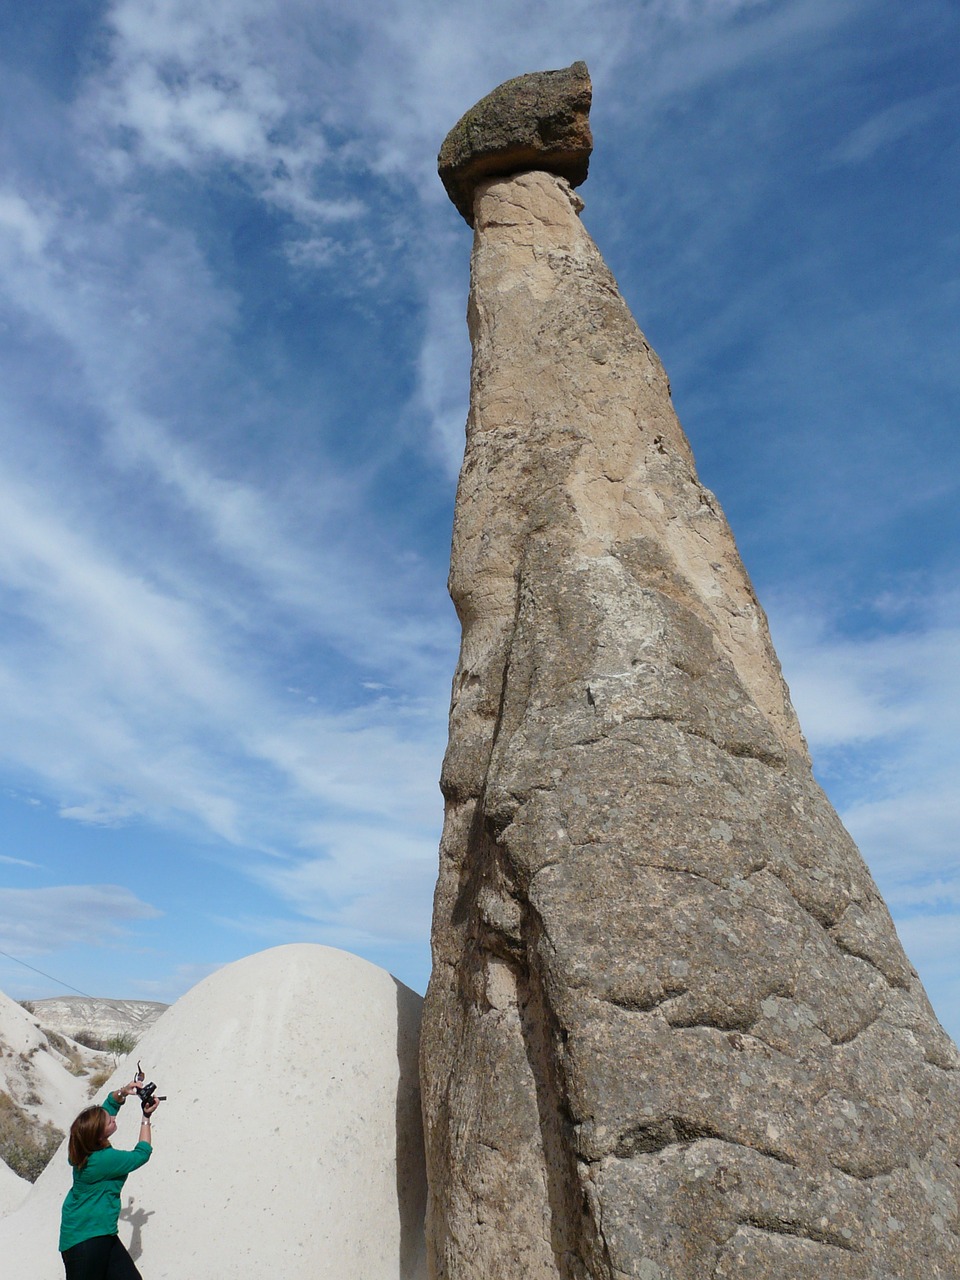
column 86, row 1135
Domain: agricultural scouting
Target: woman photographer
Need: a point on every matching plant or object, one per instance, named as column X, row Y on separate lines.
column 89, row 1244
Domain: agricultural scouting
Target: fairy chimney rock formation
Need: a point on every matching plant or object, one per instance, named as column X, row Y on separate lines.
column 670, row 1032
column 539, row 121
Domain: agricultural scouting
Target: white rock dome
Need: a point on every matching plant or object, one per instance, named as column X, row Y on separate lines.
column 13, row 1190
column 290, row 1144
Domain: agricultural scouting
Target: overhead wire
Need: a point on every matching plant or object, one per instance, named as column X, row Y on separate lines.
column 59, row 981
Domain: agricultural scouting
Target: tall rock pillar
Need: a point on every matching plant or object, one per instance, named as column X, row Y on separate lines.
column 670, row 1033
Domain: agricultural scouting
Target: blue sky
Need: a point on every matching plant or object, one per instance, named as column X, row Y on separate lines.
column 233, row 381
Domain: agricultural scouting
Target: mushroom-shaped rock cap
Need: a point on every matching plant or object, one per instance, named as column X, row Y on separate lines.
column 536, row 121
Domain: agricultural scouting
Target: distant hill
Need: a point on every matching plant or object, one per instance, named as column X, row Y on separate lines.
column 86, row 1017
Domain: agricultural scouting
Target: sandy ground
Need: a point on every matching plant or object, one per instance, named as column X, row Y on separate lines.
column 290, row 1143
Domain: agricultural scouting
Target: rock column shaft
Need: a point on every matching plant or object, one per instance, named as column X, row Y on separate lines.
column 670, row 1033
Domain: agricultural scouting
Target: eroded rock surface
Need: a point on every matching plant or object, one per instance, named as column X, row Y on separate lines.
column 670, row 1033
column 539, row 121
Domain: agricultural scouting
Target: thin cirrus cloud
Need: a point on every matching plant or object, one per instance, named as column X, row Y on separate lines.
column 265, row 87
column 369, row 883
column 313, row 573
column 881, row 714
column 857, row 688
column 23, row 224
column 133, row 685
column 101, row 677
column 201, row 84
column 85, row 308
column 109, row 678
column 38, row 920
column 889, row 126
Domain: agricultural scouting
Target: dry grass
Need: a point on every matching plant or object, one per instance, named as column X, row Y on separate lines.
column 99, row 1079
column 75, row 1063
column 26, row 1144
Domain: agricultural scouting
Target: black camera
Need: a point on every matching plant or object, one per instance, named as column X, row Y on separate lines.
column 145, row 1092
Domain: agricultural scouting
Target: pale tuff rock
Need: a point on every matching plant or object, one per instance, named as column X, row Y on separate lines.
column 13, row 1190
column 290, row 1143
column 670, row 1032
column 538, row 121
column 43, row 1080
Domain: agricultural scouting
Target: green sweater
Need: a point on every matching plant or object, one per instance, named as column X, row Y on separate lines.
column 92, row 1206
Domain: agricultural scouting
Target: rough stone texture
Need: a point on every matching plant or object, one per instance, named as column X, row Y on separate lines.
column 538, row 121
column 670, row 1033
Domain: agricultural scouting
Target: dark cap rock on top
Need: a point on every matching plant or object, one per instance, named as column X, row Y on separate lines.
column 536, row 121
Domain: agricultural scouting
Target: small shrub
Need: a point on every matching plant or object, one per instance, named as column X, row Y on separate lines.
column 121, row 1044
column 89, row 1040
column 26, row 1144
column 28, row 1005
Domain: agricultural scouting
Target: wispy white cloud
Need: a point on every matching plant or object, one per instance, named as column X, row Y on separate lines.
column 369, row 883
column 296, row 95
column 193, row 84
column 882, row 714
column 696, row 43
column 299, row 96
column 304, row 564
column 128, row 700
column 911, row 839
column 26, row 225
column 856, row 688
column 444, row 372
column 888, row 126
column 146, row 581
column 127, row 315
column 34, row 921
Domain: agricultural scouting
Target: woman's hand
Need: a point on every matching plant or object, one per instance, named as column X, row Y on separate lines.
column 151, row 1107
column 128, row 1089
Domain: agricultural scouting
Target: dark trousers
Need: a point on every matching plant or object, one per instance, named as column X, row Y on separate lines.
column 102, row 1258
